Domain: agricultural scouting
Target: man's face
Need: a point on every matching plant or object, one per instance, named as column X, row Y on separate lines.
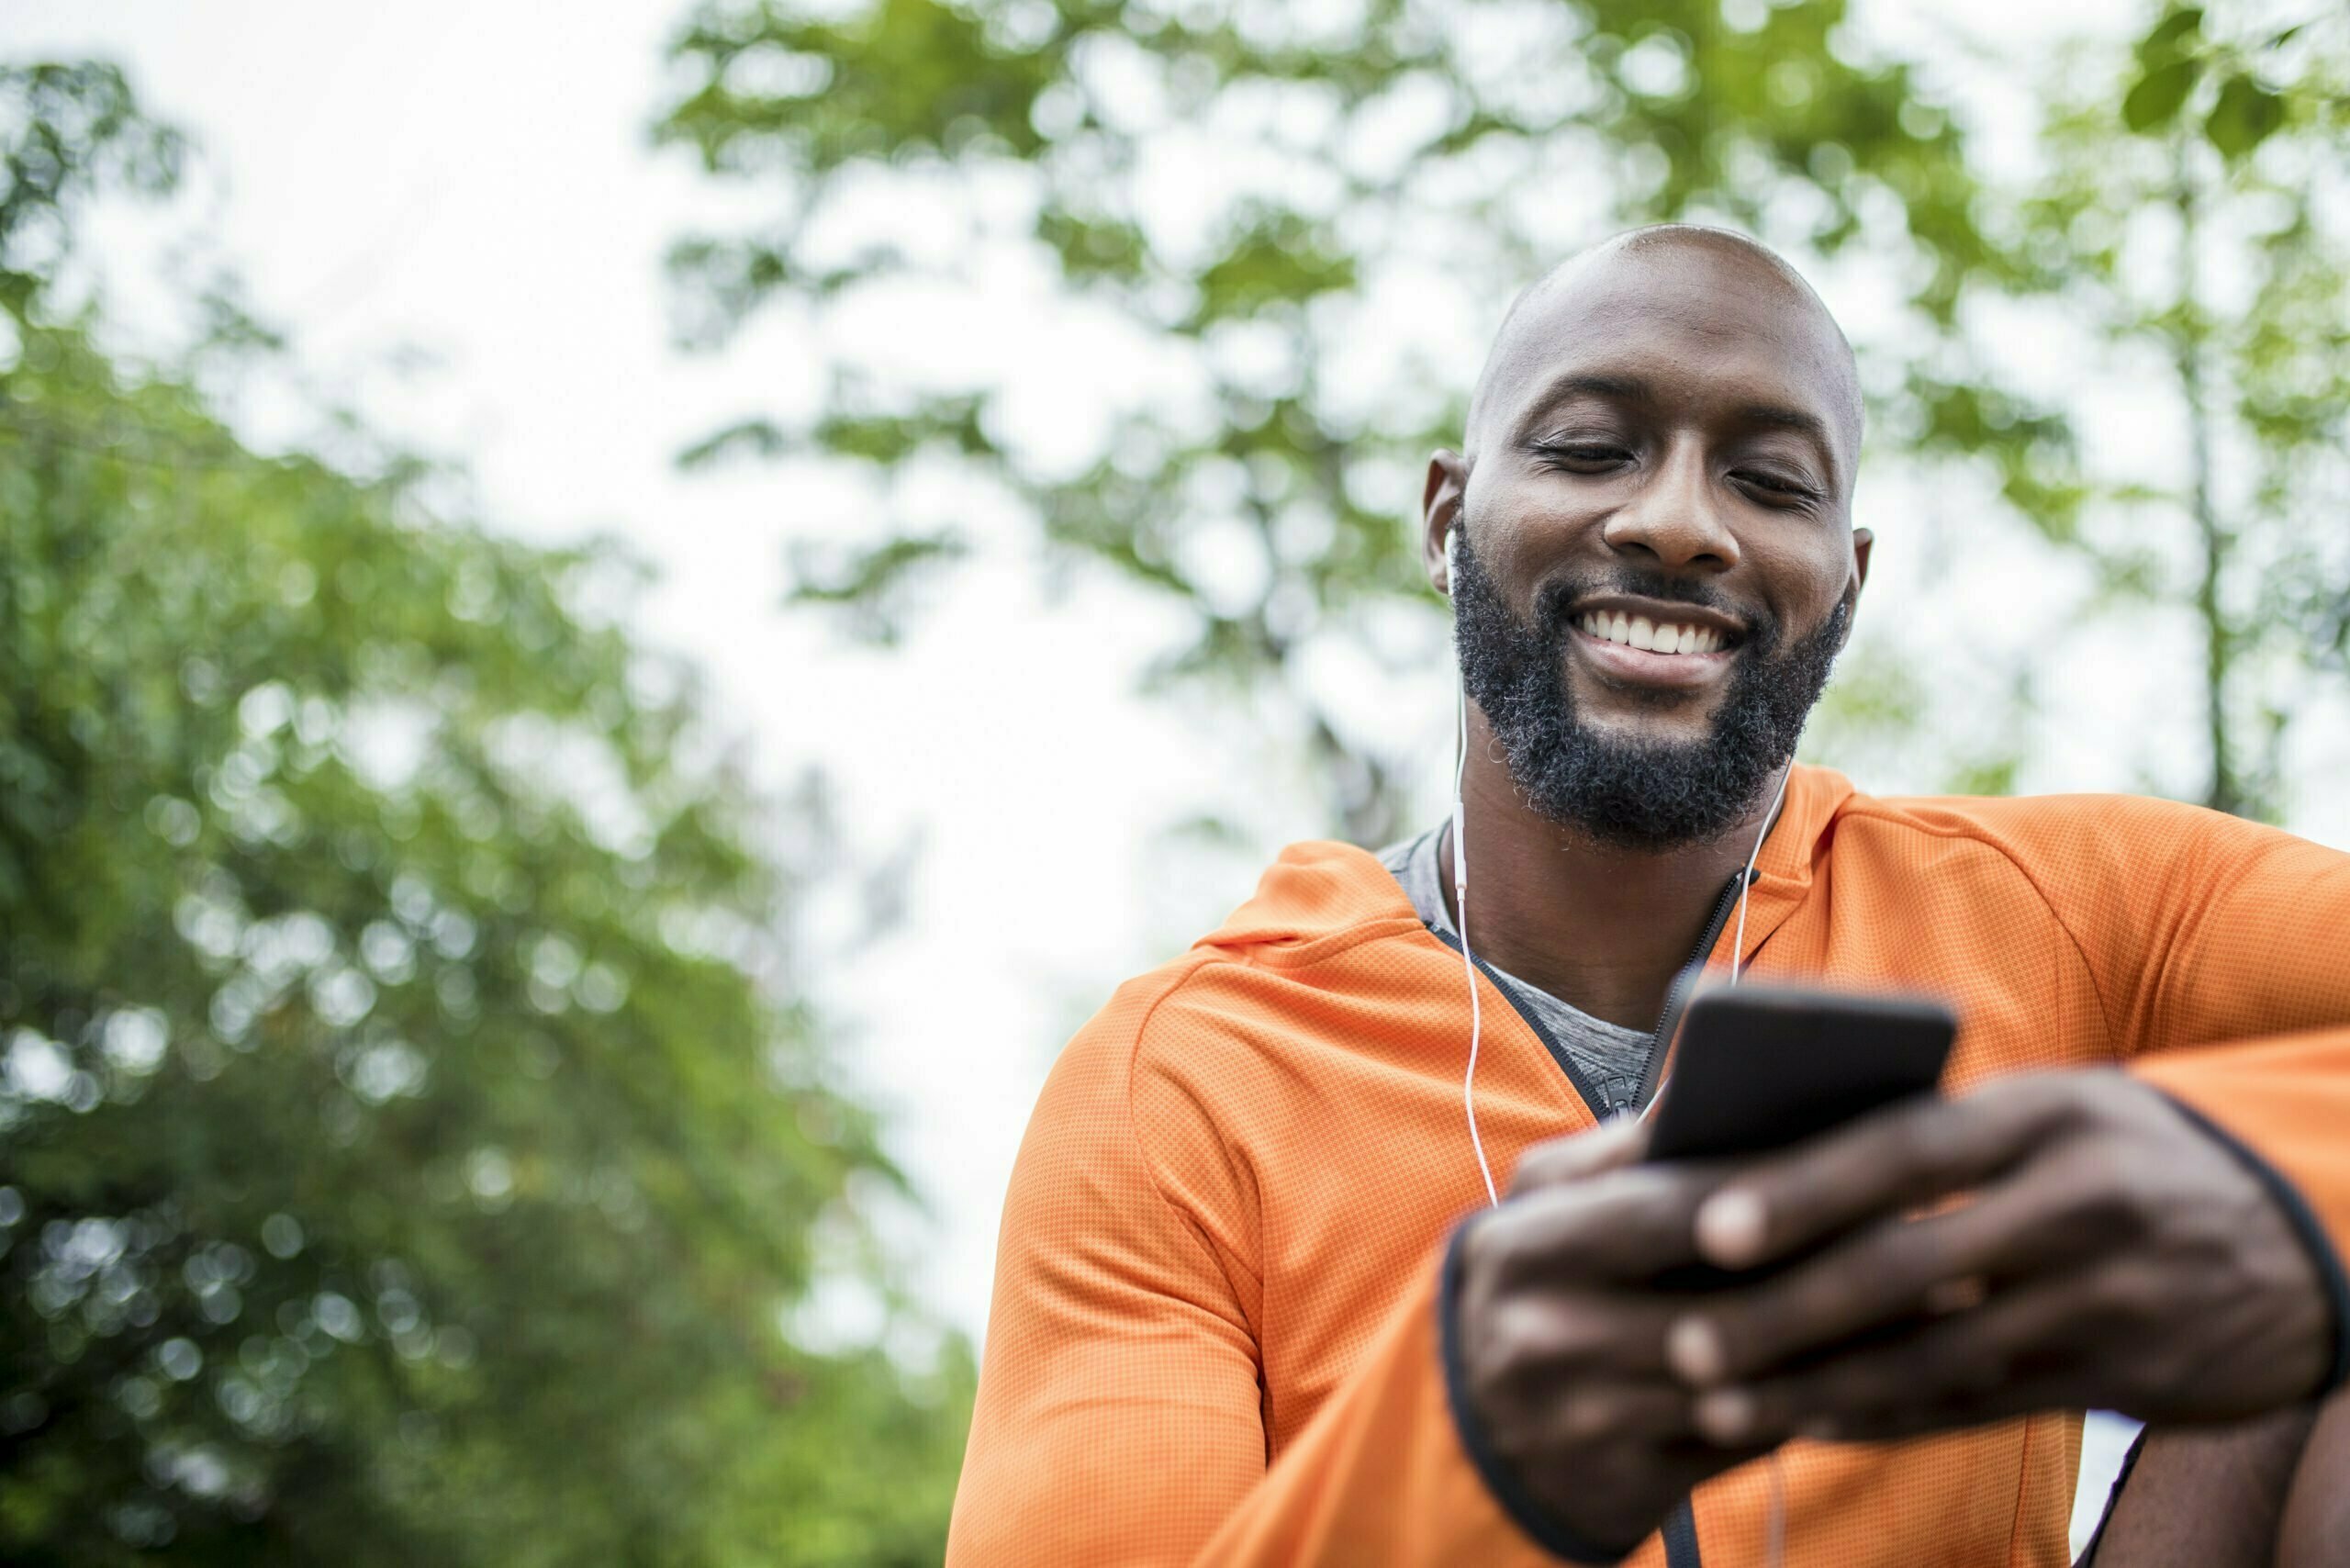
column 1658, row 567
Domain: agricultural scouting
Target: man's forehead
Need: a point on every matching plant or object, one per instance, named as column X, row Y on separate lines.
column 1697, row 302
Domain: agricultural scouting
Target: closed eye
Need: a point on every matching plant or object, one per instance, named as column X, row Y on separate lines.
column 1581, row 457
column 1777, row 484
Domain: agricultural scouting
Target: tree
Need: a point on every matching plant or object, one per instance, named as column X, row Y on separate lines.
column 413, row 1146
column 1298, row 223
column 2193, row 219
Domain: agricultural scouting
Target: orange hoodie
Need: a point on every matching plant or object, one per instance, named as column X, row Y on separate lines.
column 1215, row 1335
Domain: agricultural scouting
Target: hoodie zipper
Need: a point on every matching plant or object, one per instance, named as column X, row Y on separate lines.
column 1676, row 997
column 1587, row 1091
column 1684, row 981
column 1680, row 1528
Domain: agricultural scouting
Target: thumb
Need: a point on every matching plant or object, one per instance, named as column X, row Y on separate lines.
column 1577, row 1156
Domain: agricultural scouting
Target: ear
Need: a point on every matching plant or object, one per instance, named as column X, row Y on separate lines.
column 1441, row 500
column 1862, row 540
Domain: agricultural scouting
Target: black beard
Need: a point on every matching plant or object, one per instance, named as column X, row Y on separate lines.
column 1632, row 793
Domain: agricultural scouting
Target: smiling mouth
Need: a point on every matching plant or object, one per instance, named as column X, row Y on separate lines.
column 1651, row 636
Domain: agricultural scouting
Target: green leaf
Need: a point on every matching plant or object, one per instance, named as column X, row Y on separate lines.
column 745, row 438
column 2244, row 115
column 2175, row 36
column 871, row 587
column 2155, row 101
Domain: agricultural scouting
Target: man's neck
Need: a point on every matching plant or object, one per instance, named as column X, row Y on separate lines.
column 1601, row 928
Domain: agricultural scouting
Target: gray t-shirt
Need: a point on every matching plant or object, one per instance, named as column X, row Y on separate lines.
column 1610, row 1056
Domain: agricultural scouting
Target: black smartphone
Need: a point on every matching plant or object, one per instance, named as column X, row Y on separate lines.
column 1759, row 1067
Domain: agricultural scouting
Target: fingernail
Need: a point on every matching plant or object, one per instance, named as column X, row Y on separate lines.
column 1730, row 1228
column 1726, row 1415
column 1693, row 1348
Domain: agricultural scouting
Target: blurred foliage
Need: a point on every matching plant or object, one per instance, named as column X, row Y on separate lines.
column 2196, row 219
column 412, row 1151
column 1261, row 193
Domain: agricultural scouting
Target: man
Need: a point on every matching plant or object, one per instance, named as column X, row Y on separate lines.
column 1251, row 1304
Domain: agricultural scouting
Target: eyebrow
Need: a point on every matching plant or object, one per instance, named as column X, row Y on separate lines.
column 1636, row 390
column 1623, row 388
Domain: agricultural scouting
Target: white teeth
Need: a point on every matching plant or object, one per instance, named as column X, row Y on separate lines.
column 1641, row 633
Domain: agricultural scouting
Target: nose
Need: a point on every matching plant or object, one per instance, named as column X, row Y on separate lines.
column 1675, row 519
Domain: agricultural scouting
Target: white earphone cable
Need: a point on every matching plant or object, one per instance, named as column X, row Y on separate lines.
column 1460, row 894
column 1776, row 1525
column 1746, row 878
column 1460, row 901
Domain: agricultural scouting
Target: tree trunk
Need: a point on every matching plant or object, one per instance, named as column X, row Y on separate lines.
column 2224, row 790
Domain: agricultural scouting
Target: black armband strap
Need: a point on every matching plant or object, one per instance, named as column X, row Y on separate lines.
column 1508, row 1490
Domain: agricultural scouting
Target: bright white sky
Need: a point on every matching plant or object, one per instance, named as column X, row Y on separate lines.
column 473, row 180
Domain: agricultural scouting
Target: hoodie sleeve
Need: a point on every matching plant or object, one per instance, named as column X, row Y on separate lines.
column 1120, row 1409
column 2221, row 952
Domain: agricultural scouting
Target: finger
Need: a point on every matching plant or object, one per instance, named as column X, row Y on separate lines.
column 1615, row 1411
column 1609, row 1147
column 1560, row 1339
column 1880, row 1164
column 1879, row 1275
column 2023, row 1392
column 1625, row 1225
column 2023, row 1397
column 2062, row 1211
column 1954, row 1372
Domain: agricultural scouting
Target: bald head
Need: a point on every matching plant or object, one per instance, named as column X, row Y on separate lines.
column 1710, row 289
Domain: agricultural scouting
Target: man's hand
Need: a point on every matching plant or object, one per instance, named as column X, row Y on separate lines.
column 1563, row 1339
column 2103, row 1250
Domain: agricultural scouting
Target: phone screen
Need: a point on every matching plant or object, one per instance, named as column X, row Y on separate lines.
column 1759, row 1067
